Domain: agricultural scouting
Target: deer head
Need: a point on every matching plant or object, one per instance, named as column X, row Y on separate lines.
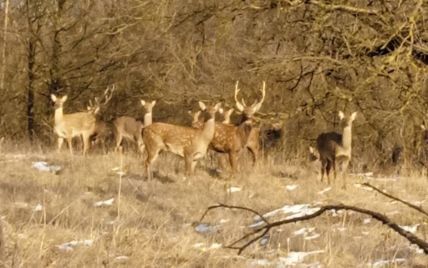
column 348, row 120
column 95, row 106
column 59, row 102
column 249, row 110
column 148, row 105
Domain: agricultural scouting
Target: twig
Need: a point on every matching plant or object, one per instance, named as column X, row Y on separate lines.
column 233, row 207
column 266, row 228
column 419, row 209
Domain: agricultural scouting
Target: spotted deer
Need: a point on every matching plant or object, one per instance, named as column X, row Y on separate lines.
column 333, row 147
column 231, row 139
column 130, row 128
column 68, row 126
column 187, row 142
column 248, row 112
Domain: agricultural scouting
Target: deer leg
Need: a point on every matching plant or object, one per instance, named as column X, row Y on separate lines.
column 60, row 142
column 222, row 159
column 70, row 144
column 86, row 143
column 254, row 154
column 323, row 168
column 344, row 174
column 187, row 164
column 118, row 141
column 151, row 157
column 233, row 157
column 328, row 168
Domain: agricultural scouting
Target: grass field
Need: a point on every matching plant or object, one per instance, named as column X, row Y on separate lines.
column 152, row 223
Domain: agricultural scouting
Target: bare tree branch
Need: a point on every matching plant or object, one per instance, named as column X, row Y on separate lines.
column 268, row 226
column 419, row 209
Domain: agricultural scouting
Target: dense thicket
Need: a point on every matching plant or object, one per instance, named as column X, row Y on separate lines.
column 317, row 57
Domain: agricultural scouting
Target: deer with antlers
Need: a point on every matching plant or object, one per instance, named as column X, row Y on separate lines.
column 188, row 142
column 248, row 111
column 126, row 127
column 102, row 129
column 68, row 126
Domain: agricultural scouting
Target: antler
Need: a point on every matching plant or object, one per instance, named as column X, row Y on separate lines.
column 97, row 103
column 263, row 90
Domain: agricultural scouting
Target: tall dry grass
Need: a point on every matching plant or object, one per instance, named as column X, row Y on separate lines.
column 155, row 223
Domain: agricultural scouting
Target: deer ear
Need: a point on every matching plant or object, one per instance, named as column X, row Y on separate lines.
column 202, row 106
column 311, row 149
column 143, row 102
column 341, row 115
column 423, row 127
column 64, row 98
column 353, row 116
column 153, row 103
column 218, row 106
column 53, row 98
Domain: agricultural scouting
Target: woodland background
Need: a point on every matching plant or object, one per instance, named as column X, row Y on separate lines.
column 317, row 57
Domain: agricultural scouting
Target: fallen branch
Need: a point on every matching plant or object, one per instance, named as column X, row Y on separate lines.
column 268, row 226
column 419, row 209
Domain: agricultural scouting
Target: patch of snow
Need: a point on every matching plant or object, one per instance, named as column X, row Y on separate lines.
column 119, row 171
column 295, row 211
column 205, row 228
column 410, row 228
column 224, row 221
column 324, row 190
column 121, row 259
column 234, row 189
column 38, row 207
column 44, row 166
column 291, row 187
column 204, row 247
column 417, row 249
column 383, row 263
column 367, row 220
column 418, row 203
column 104, row 203
column 69, row 246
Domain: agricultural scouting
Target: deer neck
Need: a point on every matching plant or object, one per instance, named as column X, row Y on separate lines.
column 208, row 129
column 59, row 115
column 148, row 119
column 347, row 137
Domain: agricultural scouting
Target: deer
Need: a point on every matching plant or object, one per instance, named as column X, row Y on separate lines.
column 68, row 126
column 102, row 129
column 130, row 128
column 187, row 142
column 231, row 139
column 197, row 122
column 227, row 114
column 248, row 112
column 333, row 147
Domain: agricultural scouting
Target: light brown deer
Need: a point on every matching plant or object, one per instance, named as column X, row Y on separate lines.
column 68, row 126
column 253, row 143
column 334, row 147
column 131, row 129
column 190, row 143
column 197, row 121
column 227, row 114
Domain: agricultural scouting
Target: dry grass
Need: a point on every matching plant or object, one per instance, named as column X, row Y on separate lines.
column 154, row 226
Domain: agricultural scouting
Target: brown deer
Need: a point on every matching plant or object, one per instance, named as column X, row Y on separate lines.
column 68, row 126
column 103, row 130
column 333, row 147
column 230, row 139
column 130, row 128
column 253, row 143
column 190, row 143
